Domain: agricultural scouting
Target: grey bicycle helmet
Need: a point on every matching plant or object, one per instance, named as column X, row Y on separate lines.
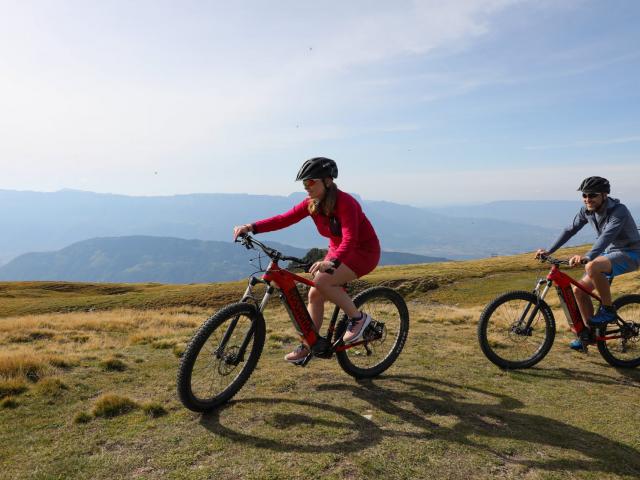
column 595, row 185
column 318, row 167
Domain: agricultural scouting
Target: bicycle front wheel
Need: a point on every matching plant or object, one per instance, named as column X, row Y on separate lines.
column 623, row 351
column 516, row 330
column 220, row 357
column 384, row 337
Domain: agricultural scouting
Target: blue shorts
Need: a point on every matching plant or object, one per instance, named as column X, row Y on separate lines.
column 623, row 261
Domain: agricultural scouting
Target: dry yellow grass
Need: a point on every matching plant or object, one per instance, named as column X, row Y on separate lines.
column 36, row 347
column 446, row 314
column 25, row 363
column 71, row 334
column 119, row 320
column 12, row 386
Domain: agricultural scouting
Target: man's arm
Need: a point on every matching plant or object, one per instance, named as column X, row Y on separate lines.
column 579, row 221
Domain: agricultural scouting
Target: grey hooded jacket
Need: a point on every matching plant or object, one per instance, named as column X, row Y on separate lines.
column 614, row 225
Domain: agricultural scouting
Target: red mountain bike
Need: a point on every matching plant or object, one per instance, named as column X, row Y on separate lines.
column 225, row 350
column 517, row 329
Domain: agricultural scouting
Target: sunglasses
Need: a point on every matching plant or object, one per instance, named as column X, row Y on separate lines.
column 590, row 195
column 310, row 182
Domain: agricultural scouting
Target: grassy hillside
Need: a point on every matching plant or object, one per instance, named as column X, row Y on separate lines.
column 87, row 390
column 448, row 282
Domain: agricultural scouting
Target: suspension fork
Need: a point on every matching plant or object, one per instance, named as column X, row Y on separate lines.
column 248, row 295
column 536, row 308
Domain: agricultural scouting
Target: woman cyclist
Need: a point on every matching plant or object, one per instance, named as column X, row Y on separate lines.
column 354, row 249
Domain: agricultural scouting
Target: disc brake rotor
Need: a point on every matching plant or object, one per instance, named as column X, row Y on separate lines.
column 228, row 361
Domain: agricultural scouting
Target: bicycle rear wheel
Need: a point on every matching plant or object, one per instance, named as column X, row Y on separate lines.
column 384, row 337
column 624, row 351
column 220, row 357
column 516, row 330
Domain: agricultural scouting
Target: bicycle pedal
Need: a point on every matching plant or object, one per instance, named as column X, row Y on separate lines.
column 304, row 361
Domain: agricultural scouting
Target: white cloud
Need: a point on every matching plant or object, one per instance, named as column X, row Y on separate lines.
column 587, row 143
column 96, row 89
column 441, row 186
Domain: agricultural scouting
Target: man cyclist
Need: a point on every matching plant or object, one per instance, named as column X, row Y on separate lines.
column 615, row 252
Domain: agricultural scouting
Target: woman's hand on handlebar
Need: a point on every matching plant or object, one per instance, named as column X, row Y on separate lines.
column 241, row 230
column 322, row 266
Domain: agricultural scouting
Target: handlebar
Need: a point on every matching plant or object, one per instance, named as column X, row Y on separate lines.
column 557, row 261
column 250, row 242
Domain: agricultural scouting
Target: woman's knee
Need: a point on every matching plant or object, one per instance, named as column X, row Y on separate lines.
column 322, row 284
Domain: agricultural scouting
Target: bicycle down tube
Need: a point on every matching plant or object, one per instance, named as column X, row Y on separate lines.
column 563, row 283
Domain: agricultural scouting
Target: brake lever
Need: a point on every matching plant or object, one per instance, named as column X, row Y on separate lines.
column 244, row 240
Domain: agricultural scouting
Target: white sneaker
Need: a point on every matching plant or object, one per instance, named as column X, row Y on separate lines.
column 298, row 355
column 356, row 328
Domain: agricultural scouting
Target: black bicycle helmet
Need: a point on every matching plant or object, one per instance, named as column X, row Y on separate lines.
column 318, row 167
column 595, row 185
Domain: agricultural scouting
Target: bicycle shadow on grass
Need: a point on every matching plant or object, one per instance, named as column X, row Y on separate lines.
column 420, row 408
column 632, row 377
column 285, row 427
column 498, row 418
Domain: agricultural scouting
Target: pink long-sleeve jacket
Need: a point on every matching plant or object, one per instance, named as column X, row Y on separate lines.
column 352, row 239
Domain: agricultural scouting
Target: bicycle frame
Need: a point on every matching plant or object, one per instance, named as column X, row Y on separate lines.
column 286, row 282
column 563, row 284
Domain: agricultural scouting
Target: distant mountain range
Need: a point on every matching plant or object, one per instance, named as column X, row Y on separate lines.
column 544, row 213
column 37, row 221
column 155, row 259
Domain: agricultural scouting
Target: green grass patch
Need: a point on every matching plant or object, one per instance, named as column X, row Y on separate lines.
column 282, row 338
column 51, row 387
column 113, row 364
column 154, row 409
column 82, row 417
column 9, row 402
column 178, row 349
column 441, row 411
column 111, row 405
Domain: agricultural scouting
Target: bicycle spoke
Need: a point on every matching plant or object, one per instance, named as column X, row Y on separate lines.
column 214, row 368
column 516, row 330
column 625, row 349
column 383, row 338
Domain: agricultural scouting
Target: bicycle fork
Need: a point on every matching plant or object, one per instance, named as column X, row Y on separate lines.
column 523, row 325
column 248, row 295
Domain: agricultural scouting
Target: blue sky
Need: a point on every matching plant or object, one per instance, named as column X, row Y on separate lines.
column 419, row 102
